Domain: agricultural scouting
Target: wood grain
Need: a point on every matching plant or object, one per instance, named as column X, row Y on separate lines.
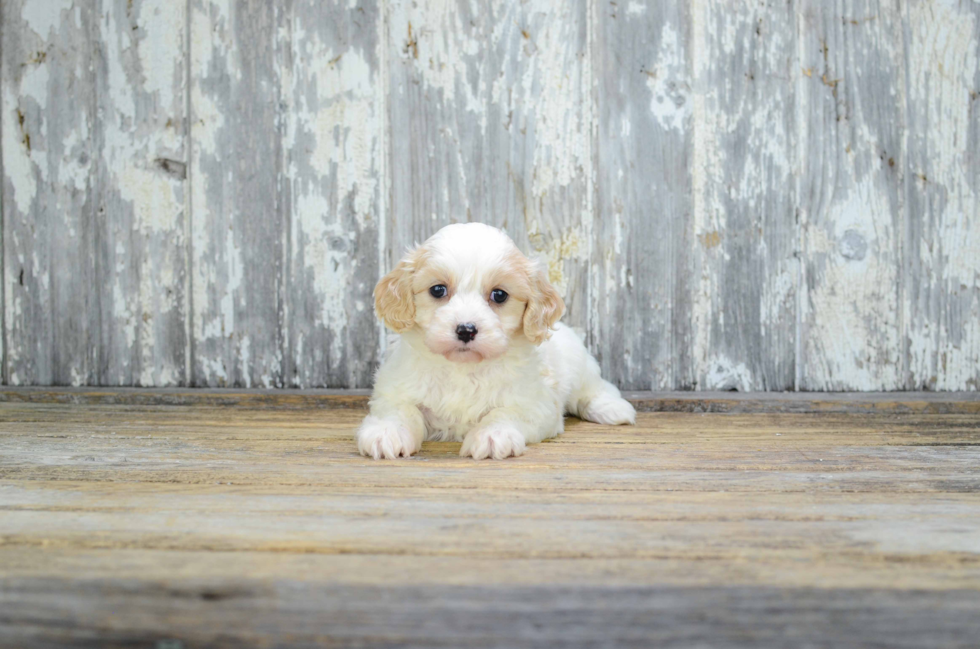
column 126, row 524
column 765, row 196
column 540, row 141
column 54, row 246
column 853, row 182
column 334, row 183
column 693, row 402
column 744, row 62
column 437, row 94
column 941, row 283
column 642, row 261
column 237, row 220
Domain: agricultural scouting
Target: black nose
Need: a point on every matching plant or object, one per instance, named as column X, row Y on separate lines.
column 466, row 332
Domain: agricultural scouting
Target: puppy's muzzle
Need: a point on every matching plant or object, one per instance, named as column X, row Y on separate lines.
column 466, row 332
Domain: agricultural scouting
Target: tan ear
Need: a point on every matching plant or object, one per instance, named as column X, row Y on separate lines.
column 394, row 301
column 544, row 307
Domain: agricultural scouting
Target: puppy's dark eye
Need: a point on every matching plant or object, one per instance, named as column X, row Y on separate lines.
column 438, row 291
column 499, row 296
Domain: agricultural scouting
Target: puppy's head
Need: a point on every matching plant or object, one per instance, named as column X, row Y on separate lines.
column 469, row 290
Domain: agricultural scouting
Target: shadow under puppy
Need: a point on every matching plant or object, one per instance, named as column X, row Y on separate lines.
column 480, row 356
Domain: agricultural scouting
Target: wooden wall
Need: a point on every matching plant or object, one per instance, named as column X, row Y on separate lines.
column 756, row 196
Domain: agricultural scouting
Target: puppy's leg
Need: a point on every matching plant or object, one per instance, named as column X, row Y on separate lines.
column 391, row 431
column 505, row 432
column 603, row 404
column 596, row 399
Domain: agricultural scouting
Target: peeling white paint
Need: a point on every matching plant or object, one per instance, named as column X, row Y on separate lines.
column 43, row 16
column 669, row 82
column 944, row 342
column 724, row 374
column 635, row 8
column 17, row 165
column 526, row 62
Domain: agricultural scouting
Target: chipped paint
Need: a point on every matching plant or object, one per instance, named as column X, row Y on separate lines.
column 786, row 134
column 669, row 82
column 943, row 327
column 43, row 16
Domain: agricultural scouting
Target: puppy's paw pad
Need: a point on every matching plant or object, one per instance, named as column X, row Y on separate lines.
column 609, row 410
column 385, row 439
column 497, row 441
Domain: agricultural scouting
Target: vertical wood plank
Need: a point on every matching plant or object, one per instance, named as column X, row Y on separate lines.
column 942, row 273
column 852, row 203
column 50, row 154
column 538, row 78
column 141, row 184
column 334, row 143
column 744, row 306
column 437, row 98
column 641, row 260
column 237, row 219
column 490, row 121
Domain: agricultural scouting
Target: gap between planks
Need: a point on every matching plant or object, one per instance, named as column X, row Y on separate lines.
column 698, row 402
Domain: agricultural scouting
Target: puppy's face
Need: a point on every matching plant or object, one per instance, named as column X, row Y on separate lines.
column 470, row 291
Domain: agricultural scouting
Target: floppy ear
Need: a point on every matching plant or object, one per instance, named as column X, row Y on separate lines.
column 394, row 301
column 544, row 307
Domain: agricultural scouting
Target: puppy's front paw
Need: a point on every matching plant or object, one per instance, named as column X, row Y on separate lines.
column 497, row 441
column 384, row 438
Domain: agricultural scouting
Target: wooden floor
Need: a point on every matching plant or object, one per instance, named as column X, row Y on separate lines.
column 215, row 525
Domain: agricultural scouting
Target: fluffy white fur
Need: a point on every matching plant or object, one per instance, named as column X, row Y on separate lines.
column 508, row 387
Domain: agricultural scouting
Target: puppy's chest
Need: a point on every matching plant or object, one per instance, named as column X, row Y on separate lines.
column 452, row 404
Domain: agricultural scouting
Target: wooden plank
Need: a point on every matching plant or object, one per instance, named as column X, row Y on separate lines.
column 334, row 144
column 853, row 97
column 53, row 246
column 94, row 211
column 731, row 453
column 695, row 402
column 941, row 281
column 128, row 525
column 239, row 612
column 744, row 155
column 142, row 195
column 437, row 91
column 641, row 257
column 492, row 123
column 538, row 73
column 235, row 174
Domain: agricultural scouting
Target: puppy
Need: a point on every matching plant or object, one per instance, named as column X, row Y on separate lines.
column 481, row 357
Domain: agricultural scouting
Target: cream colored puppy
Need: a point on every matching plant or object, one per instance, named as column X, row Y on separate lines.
column 480, row 356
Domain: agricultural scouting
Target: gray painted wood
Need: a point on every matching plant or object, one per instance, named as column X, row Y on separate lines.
column 334, row 187
column 757, row 197
column 852, row 203
column 299, row 613
column 237, row 216
column 941, row 279
column 539, row 138
column 491, row 103
column 641, row 264
column 437, row 100
column 53, row 247
column 744, row 306
column 141, row 177
column 94, row 207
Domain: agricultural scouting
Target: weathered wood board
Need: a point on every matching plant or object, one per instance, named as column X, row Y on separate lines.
column 768, row 196
column 853, row 185
column 334, row 188
column 126, row 525
column 941, row 285
column 642, row 265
